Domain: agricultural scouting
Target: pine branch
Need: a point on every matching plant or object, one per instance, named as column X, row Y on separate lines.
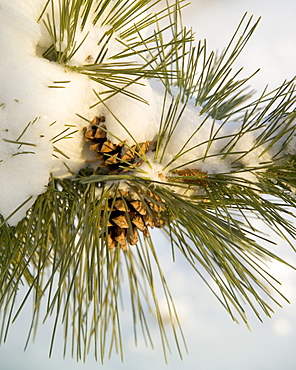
column 87, row 231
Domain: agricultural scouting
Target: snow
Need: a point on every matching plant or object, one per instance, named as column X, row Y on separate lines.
column 129, row 120
column 26, row 97
column 197, row 141
column 45, row 105
column 33, row 89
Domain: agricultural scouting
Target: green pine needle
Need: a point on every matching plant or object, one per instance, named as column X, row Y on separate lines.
column 60, row 250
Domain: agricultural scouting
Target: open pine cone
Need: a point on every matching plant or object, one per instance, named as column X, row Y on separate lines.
column 129, row 214
column 115, row 158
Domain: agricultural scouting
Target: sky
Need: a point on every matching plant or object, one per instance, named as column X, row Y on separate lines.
column 214, row 341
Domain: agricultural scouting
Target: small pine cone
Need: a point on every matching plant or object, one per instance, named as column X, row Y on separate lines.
column 129, row 216
column 131, row 212
column 112, row 156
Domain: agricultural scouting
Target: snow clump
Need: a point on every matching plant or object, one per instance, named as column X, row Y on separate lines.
column 41, row 105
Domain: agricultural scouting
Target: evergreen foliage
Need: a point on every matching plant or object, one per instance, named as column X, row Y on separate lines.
column 60, row 250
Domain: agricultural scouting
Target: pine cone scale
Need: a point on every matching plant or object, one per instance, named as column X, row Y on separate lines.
column 110, row 155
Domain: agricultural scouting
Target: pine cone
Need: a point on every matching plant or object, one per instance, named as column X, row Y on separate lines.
column 115, row 158
column 128, row 216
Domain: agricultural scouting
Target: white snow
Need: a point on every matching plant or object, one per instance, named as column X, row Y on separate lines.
column 130, row 120
column 33, row 89
column 25, row 96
